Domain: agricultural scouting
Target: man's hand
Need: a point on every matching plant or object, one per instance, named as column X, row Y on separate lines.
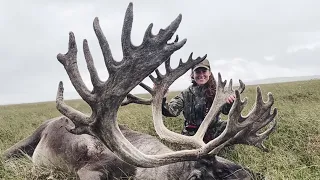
column 230, row 99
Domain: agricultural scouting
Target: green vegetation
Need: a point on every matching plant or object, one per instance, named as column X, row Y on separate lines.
column 294, row 146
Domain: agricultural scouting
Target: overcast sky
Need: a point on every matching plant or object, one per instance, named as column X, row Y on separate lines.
column 245, row 40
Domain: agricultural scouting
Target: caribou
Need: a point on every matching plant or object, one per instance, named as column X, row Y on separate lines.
column 96, row 147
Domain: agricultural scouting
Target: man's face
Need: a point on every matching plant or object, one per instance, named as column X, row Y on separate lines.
column 201, row 75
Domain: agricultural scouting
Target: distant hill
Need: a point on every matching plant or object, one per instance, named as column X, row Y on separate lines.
column 282, row 79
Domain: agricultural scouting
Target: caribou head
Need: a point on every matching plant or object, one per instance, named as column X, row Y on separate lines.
column 96, row 146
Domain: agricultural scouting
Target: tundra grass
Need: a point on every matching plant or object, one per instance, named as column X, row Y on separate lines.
column 294, row 148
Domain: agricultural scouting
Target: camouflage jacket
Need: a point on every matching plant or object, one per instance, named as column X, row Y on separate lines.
column 192, row 103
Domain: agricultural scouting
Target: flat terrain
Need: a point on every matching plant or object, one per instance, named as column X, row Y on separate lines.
column 294, row 146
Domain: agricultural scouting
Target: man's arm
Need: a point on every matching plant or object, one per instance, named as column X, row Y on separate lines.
column 174, row 107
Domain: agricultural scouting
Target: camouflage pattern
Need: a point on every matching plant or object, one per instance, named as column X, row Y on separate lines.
column 192, row 103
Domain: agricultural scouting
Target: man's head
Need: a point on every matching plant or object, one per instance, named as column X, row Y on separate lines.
column 201, row 72
column 203, row 64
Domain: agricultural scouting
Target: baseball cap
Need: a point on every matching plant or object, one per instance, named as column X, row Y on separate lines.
column 204, row 64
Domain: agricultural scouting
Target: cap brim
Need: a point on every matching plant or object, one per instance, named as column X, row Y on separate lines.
column 200, row 67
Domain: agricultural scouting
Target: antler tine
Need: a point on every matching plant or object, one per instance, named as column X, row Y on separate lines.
column 221, row 84
column 190, row 57
column 107, row 55
column 137, row 100
column 171, row 30
column 164, row 35
column 234, row 123
column 147, row 88
column 259, row 98
column 261, row 137
column 96, row 82
column 270, row 99
column 167, row 33
column 230, row 85
column 153, row 79
column 158, row 78
column 242, row 86
column 167, row 62
column 270, row 118
column 126, row 43
column 258, row 125
column 175, row 46
column 148, row 34
column 69, row 61
column 78, row 118
column 159, row 75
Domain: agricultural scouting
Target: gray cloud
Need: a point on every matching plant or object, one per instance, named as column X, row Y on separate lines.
column 243, row 39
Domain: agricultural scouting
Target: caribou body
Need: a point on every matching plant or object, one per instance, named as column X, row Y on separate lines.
column 96, row 147
column 52, row 145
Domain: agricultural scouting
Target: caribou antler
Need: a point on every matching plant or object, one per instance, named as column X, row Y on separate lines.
column 106, row 97
column 163, row 83
column 136, row 100
column 249, row 135
column 239, row 130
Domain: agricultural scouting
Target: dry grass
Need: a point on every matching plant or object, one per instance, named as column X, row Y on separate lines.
column 294, row 147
